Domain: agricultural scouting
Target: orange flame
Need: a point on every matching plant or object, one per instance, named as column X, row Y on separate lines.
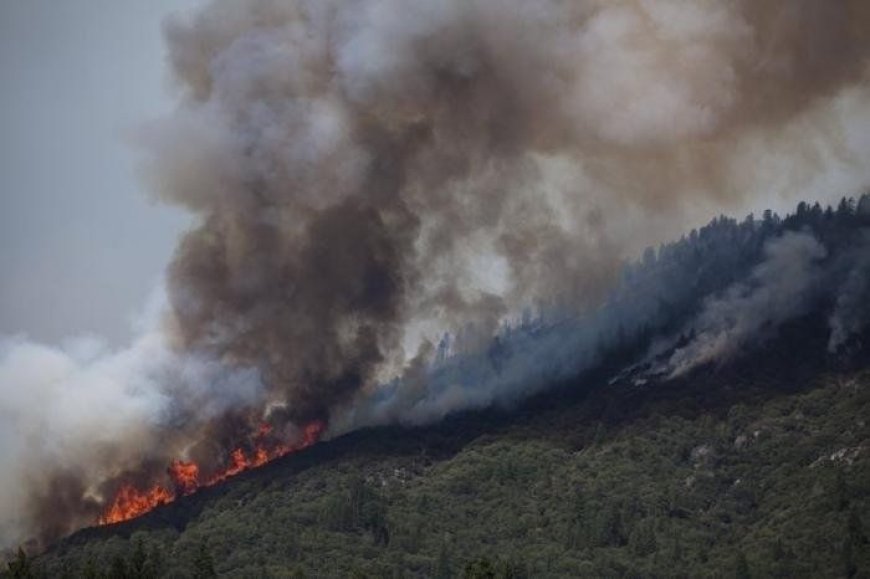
column 185, row 475
column 130, row 502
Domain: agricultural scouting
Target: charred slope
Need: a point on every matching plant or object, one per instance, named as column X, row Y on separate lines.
column 763, row 462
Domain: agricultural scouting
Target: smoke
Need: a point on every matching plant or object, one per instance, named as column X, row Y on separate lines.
column 369, row 175
column 779, row 289
column 702, row 300
column 354, row 164
column 851, row 313
column 79, row 415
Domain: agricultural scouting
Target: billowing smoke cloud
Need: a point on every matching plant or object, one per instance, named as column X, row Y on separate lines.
column 779, row 289
column 370, row 174
column 355, row 165
column 76, row 416
column 703, row 300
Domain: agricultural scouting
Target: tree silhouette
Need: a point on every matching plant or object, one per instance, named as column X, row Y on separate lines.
column 20, row 566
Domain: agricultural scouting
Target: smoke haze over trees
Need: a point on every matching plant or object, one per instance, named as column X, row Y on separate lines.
column 722, row 289
column 407, row 210
column 716, row 293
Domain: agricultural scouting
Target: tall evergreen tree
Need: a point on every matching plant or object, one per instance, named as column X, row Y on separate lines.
column 203, row 564
column 741, row 570
column 20, row 567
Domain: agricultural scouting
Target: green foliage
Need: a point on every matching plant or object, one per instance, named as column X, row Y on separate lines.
column 855, row 529
column 486, row 569
column 138, row 561
column 741, row 570
column 118, row 569
column 849, row 567
column 357, row 508
column 203, row 564
column 725, row 475
column 643, row 538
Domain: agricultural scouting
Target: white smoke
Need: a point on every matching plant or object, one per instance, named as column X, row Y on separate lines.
column 91, row 412
column 779, row 289
column 553, row 139
column 353, row 163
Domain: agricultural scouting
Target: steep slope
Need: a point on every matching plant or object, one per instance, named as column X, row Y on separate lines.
column 764, row 464
column 709, row 416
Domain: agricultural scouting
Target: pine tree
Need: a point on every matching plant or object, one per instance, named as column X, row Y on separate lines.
column 138, row 562
column 203, row 564
column 90, row 569
column 479, row 569
column 855, row 529
column 642, row 539
column 155, row 566
column 850, row 569
column 442, row 566
column 841, row 492
column 118, row 569
column 20, row 567
column 742, row 567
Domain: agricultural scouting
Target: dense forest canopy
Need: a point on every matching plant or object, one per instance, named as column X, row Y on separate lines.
column 722, row 287
column 628, row 461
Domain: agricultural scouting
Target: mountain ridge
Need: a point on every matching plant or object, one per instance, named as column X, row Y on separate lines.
column 365, row 499
column 773, row 374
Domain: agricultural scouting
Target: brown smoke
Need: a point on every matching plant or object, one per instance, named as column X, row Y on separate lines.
column 354, row 164
column 368, row 174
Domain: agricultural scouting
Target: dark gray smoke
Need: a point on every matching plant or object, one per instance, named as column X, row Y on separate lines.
column 368, row 175
column 357, row 165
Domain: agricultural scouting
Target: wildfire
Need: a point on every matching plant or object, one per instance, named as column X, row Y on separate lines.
column 185, row 475
column 130, row 502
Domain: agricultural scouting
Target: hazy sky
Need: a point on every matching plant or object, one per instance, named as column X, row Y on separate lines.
column 81, row 245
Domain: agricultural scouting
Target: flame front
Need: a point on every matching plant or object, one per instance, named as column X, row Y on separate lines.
column 130, row 502
column 185, row 475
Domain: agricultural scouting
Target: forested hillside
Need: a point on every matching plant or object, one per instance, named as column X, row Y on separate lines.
column 704, row 298
column 729, row 474
column 642, row 458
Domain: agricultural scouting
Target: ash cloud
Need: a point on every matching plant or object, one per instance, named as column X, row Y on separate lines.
column 372, row 174
column 353, row 164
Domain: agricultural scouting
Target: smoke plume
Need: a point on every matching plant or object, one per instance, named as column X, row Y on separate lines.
column 779, row 289
column 364, row 172
column 79, row 415
column 369, row 175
